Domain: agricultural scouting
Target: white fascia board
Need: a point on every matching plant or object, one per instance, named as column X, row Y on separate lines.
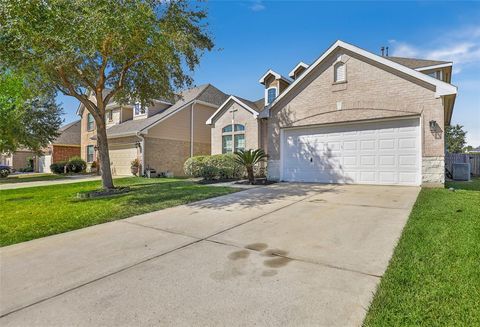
column 277, row 76
column 442, row 88
column 449, row 64
column 235, row 99
column 300, row 64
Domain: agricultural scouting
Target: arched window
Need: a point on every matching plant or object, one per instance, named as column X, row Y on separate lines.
column 233, row 138
column 239, row 128
column 340, row 72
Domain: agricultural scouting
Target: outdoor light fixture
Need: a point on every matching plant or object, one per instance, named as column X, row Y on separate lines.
column 433, row 125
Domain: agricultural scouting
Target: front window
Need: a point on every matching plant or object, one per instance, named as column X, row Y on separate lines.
column 233, row 138
column 271, row 95
column 227, row 144
column 239, row 142
column 90, row 153
column 90, row 122
column 110, row 115
column 139, row 109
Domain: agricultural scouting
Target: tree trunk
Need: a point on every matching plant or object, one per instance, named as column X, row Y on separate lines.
column 107, row 181
column 251, row 177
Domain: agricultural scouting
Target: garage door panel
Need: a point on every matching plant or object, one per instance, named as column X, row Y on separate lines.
column 121, row 158
column 369, row 153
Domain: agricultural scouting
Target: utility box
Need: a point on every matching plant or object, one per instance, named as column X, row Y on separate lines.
column 461, row 171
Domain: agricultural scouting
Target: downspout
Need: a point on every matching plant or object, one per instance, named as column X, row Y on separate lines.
column 191, row 129
column 142, row 148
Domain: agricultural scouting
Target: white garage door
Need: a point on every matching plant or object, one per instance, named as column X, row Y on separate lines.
column 121, row 158
column 386, row 152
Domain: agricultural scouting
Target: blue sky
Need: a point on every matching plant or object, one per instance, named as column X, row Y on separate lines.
column 253, row 36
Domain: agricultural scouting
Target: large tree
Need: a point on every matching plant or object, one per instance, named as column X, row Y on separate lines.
column 455, row 138
column 27, row 119
column 103, row 50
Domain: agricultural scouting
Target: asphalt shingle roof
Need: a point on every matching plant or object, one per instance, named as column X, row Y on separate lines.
column 416, row 63
column 255, row 105
column 206, row 93
column 69, row 134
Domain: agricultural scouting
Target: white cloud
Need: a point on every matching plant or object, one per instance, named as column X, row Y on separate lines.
column 257, row 6
column 461, row 46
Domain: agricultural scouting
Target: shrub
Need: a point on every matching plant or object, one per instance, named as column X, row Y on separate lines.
column 194, row 165
column 58, row 167
column 27, row 169
column 221, row 166
column 76, row 165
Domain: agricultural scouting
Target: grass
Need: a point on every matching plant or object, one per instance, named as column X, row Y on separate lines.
column 35, row 212
column 22, row 178
column 433, row 278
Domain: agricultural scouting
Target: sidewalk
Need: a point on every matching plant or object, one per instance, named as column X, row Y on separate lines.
column 67, row 180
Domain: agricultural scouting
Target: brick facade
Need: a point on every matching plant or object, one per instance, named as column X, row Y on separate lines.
column 242, row 116
column 370, row 92
column 64, row 152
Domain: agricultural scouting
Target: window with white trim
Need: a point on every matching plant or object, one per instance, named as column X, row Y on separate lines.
column 139, row 110
column 90, row 122
column 271, row 94
column 339, row 72
column 233, row 138
column 90, row 153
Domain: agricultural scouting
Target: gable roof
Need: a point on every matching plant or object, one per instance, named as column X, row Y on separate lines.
column 253, row 107
column 207, row 94
column 442, row 88
column 69, row 134
column 419, row 64
column 300, row 64
column 275, row 74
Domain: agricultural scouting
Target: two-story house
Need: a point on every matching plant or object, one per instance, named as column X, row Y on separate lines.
column 349, row 117
column 161, row 136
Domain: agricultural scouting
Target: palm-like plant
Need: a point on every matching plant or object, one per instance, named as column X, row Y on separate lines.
column 248, row 159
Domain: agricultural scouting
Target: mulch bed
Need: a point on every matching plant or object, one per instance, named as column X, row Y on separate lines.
column 103, row 193
column 258, row 181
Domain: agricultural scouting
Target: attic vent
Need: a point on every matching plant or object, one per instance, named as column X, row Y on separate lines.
column 339, row 74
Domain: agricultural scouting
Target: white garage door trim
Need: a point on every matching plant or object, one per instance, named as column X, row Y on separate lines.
column 364, row 166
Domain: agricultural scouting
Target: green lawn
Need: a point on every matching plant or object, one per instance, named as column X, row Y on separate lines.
column 434, row 276
column 22, row 178
column 35, row 212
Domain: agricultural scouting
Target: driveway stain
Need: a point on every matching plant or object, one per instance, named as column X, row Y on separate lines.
column 242, row 254
column 257, row 246
column 277, row 262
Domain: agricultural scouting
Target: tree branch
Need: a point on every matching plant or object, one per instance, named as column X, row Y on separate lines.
column 72, row 92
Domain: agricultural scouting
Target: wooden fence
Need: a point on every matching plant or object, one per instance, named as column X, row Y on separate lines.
column 472, row 158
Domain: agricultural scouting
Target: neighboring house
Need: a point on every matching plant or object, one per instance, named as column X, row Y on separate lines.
column 349, row 117
column 161, row 136
column 64, row 147
column 18, row 159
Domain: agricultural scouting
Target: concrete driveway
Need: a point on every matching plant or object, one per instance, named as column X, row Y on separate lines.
column 287, row 254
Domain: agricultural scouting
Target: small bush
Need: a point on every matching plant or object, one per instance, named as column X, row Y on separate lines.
column 76, row 165
column 219, row 166
column 58, row 167
column 27, row 169
column 194, row 166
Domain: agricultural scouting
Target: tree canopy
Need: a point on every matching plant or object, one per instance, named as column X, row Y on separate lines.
column 27, row 119
column 104, row 50
column 455, row 139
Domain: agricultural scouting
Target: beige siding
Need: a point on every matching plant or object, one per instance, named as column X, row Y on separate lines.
column 176, row 127
column 242, row 116
column 202, row 131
